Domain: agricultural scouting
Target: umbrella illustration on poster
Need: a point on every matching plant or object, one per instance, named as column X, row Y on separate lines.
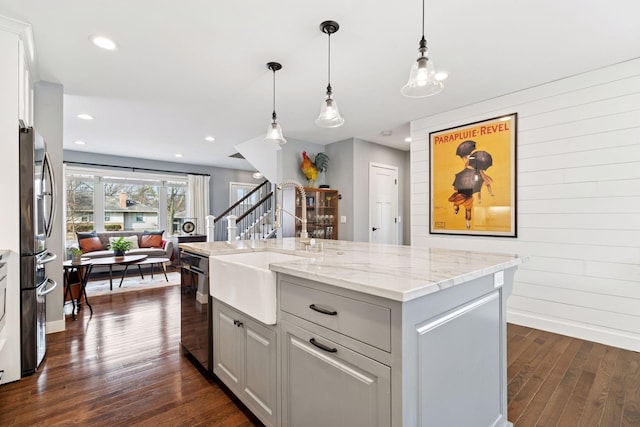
column 465, row 148
column 467, row 182
column 480, row 161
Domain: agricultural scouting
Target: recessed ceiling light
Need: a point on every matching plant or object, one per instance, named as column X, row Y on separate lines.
column 442, row 75
column 386, row 133
column 209, row 138
column 85, row 116
column 79, row 142
column 407, row 139
column 178, row 155
column 103, row 42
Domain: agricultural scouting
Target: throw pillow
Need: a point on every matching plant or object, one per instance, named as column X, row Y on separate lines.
column 132, row 239
column 151, row 232
column 151, row 241
column 86, row 235
column 90, row 244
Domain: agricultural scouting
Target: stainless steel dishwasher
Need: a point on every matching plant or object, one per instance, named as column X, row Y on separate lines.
column 195, row 304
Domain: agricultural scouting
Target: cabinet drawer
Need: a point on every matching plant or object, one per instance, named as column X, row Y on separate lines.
column 326, row 384
column 359, row 320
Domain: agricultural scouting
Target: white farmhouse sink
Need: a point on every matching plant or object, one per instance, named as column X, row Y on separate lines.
column 245, row 282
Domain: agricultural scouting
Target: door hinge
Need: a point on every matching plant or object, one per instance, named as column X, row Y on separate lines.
column 396, row 181
column 395, row 220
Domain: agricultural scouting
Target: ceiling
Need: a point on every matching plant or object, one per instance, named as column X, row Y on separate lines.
column 188, row 69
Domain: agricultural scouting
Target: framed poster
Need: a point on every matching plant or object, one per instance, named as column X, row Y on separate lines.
column 473, row 178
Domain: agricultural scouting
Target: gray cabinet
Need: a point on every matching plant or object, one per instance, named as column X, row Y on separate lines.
column 244, row 358
column 335, row 351
column 352, row 359
column 327, row 384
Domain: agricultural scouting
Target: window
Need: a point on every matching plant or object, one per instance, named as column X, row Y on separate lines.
column 122, row 200
column 176, row 205
column 132, row 204
column 237, row 190
column 79, row 209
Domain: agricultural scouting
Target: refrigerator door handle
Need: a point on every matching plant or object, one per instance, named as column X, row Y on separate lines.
column 47, row 258
column 47, row 166
column 49, row 290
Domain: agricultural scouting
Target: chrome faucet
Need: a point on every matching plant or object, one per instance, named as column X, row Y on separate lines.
column 304, row 236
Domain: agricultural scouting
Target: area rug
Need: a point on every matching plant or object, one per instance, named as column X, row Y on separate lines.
column 131, row 283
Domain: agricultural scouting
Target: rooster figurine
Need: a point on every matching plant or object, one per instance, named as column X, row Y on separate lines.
column 310, row 169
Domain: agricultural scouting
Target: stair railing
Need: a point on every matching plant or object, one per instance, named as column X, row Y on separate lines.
column 257, row 223
column 242, row 209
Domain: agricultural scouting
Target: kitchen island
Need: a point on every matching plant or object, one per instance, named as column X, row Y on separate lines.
column 370, row 335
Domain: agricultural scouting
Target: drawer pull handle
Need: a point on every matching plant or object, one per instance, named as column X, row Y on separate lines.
column 237, row 323
column 323, row 310
column 322, row 346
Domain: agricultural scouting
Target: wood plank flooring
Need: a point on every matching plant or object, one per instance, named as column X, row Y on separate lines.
column 122, row 366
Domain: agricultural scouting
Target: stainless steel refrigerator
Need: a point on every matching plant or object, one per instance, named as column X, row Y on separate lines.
column 37, row 209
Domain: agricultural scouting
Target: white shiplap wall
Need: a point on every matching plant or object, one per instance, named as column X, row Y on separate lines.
column 578, row 202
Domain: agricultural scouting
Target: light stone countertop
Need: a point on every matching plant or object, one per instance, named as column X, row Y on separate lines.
column 399, row 273
column 4, row 253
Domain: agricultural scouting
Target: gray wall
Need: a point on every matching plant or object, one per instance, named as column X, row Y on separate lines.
column 220, row 177
column 349, row 173
column 48, row 105
column 340, row 176
column 363, row 153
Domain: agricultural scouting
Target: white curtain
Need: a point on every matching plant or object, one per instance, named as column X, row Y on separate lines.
column 198, row 201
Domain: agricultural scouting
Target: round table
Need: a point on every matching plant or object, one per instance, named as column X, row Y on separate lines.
column 117, row 260
column 83, row 269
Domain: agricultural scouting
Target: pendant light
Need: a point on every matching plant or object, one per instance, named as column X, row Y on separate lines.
column 274, row 133
column 422, row 80
column 329, row 115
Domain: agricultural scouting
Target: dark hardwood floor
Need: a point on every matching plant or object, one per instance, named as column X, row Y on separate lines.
column 122, row 366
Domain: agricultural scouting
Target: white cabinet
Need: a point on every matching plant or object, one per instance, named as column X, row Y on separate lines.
column 244, row 358
column 25, row 87
column 3, row 295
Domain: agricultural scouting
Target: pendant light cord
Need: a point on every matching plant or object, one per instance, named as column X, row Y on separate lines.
column 422, row 18
column 273, row 116
column 329, row 91
column 423, row 41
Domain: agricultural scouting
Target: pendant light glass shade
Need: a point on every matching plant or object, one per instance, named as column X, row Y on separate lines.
column 274, row 132
column 329, row 114
column 422, row 78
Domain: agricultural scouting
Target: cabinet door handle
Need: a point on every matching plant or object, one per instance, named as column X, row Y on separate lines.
column 237, row 323
column 323, row 310
column 322, row 346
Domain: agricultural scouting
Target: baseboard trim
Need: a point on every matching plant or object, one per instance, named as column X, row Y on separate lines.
column 620, row 339
column 202, row 298
column 55, row 326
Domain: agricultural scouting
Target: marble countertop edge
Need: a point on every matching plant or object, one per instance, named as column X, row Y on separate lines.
column 399, row 273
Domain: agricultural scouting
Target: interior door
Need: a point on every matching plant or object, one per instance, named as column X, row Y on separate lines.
column 383, row 204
